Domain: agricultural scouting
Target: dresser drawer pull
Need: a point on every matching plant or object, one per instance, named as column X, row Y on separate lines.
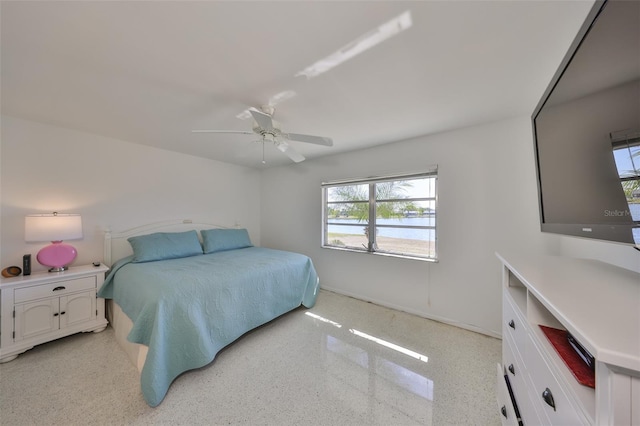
column 512, row 324
column 62, row 313
column 56, row 314
column 512, row 369
column 60, row 288
column 503, row 410
column 548, row 398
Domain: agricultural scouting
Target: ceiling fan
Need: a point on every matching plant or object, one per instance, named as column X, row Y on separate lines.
column 269, row 130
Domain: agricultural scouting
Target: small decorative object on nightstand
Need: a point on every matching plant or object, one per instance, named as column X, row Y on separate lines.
column 46, row 306
column 11, row 271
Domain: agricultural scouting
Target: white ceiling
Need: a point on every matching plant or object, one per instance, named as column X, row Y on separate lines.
column 150, row 72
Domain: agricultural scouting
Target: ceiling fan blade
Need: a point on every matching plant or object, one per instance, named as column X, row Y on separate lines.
column 244, row 132
column 289, row 152
column 318, row 140
column 264, row 120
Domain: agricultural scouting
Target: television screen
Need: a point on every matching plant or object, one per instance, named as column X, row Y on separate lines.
column 587, row 131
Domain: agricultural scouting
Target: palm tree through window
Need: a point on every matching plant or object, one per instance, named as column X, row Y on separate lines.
column 386, row 215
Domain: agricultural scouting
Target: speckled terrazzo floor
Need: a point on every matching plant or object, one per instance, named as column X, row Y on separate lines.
column 344, row 362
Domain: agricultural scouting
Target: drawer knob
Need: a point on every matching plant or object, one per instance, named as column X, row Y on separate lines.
column 56, row 314
column 548, row 398
column 59, row 288
column 503, row 410
column 512, row 324
column 512, row 369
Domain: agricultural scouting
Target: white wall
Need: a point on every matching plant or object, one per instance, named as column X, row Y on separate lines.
column 622, row 255
column 111, row 183
column 487, row 202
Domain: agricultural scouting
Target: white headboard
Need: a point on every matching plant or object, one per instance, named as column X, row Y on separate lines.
column 116, row 245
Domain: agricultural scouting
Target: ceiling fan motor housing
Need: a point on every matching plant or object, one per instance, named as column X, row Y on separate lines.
column 269, row 129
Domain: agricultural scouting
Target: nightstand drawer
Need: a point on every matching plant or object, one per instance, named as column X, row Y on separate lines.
column 57, row 288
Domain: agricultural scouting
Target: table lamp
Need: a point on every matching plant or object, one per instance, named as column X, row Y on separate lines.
column 54, row 227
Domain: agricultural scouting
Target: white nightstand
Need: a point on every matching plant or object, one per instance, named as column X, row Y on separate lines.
column 45, row 306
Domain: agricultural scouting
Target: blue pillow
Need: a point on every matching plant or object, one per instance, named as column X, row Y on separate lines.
column 215, row 240
column 165, row 245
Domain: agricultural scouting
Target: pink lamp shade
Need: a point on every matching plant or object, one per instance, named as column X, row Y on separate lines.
column 55, row 228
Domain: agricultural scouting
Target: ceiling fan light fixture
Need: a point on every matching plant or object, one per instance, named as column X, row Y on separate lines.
column 268, row 137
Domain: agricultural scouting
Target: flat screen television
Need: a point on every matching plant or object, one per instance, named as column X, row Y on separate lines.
column 587, row 131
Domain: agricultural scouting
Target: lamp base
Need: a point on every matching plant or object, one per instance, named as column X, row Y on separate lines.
column 57, row 256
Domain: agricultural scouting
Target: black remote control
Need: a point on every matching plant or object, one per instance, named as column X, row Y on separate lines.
column 582, row 352
column 26, row 264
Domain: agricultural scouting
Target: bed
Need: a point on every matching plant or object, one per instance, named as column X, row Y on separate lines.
column 179, row 292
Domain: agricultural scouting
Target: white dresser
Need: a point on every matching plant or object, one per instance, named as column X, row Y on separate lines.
column 48, row 305
column 597, row 303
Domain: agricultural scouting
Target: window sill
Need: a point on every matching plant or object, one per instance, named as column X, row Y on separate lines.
column 380, row 253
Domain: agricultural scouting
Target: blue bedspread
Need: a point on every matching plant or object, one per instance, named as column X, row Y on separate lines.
column 186, row 310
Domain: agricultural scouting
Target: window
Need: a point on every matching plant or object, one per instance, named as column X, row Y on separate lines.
column 626, row 153
column 393, row 215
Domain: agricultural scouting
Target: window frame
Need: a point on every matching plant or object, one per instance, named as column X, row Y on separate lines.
column 371, row 223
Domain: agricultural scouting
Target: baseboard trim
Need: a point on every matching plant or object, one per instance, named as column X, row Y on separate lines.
column 470, row 327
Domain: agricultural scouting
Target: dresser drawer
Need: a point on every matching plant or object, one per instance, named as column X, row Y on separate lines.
column 505, row 406
column 563, row 412
column 512, row 363
column 514, row 326
column 518, row 377
column 54, row 289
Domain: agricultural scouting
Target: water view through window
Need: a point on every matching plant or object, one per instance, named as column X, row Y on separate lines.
column 395, row 216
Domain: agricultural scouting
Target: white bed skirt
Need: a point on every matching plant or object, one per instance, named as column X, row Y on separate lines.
column 122, row 325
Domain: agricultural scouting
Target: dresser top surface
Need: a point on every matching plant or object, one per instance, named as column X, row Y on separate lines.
column 597, row 302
